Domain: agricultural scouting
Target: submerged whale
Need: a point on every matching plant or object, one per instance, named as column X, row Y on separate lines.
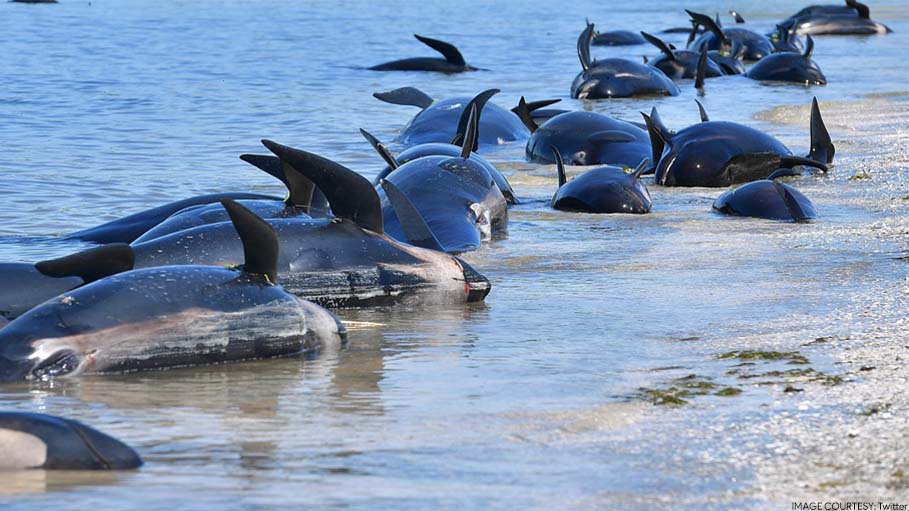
column 767, row 198
column 616, row 78
column 443, row 120
column 170, row 316
column 617, row 38
column 717, row 153
column 789, row 67
column 853, row 18
column 38, row 441
column 587, row 138
column 602, row 190
column 452, row 63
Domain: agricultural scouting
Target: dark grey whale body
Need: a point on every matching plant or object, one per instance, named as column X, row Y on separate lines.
column 756, row 46
column 602, row 190
column 789, row 67
column 616, row 78
column 170, row 316
column 853, row 18
column 38, row 441
column 716, row 153
column 452, row 63
column 768, row 199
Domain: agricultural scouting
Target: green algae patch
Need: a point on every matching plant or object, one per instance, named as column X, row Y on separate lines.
column 793, row 357
column 681, row 391
column 666, row 397
column 728, row 392
column 860, row 175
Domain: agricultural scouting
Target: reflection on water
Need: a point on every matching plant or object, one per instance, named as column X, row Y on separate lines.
column 531, row 400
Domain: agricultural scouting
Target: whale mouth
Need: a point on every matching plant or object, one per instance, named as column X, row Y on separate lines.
column 60, row 363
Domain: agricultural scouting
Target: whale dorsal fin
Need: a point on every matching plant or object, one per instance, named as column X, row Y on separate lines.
column 410, row 96
column 92, row 264
column 702, row 70
column 863, row 10
column 640, row 169
column 693, row 33
column 584, row 46
column 656, row 141
column 415, row 228
column 381, row 149
column 523, row 111
column 795, row 209
column 822, row 148
column 349, row 194
column 660, row 44
column 451, row 54
column 260, row 241
column 479, row 101
column 709, row 24
column 560, row 167
column 534, row 105
column 738, row 17
column 301, row 192
column 472, row 134
column 809, row 47
column 703, row 112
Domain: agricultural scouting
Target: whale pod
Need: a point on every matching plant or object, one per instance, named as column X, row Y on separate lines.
column 170, row 316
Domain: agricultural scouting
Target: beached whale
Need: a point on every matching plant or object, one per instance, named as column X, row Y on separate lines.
column 587, row 138
column 171, row 316
column 442, row 120
column 602, row 190
column 853, row 18
column 767, row 198
column 39, row 441
column 789, row 67
column 756, row 46
column 616, row 77
column 718, row 153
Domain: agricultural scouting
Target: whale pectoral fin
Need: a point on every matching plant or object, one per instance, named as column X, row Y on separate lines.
column 412, row 222
column 260, row 241
column 702, row 71
column 560, row 166
column 660, row 44
column 641, row 168
column 479, row 101
column 792, row 204
column 751, row 167
column 778, row 173
column 822, row 148
column 451, row 54
column 380, row 148
column 410, row 96
column 349, row 194
column 91, row 265
column 809, row 47
column 704, row 117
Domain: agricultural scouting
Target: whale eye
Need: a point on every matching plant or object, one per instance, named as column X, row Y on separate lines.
column 59, row 364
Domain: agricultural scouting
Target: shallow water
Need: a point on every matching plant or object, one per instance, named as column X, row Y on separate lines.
column 530, row 400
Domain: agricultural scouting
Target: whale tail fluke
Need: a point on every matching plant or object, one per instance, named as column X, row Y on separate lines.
column 524, row 113
column 260, row 241
column 701, row 71
column 381, row 148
